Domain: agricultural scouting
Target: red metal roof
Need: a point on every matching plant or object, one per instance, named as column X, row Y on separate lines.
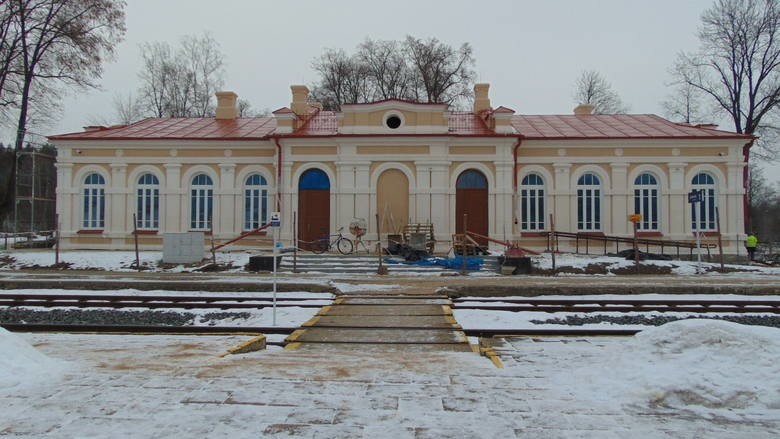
column 322, row 123
column 185, row 128
column 609, row 126
column 466, row 123
column 461, row 123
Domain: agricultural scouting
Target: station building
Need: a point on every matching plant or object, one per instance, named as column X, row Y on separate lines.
column 512, row 175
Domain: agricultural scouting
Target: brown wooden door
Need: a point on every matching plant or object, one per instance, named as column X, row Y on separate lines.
column 471, row 198
column 313, row 207
column 314, row 214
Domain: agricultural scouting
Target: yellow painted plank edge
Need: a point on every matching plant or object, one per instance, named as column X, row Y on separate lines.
column 251, row 345
column 292, row 346
column 294, row 336
column 312, row 321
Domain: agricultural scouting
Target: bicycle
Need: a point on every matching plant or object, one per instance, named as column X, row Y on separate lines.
column 342, row 243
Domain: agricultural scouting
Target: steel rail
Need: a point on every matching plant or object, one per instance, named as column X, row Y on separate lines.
column 255, row 330
column 154, row 302
column 625, row 309
column 147, row 329
column 619, row 305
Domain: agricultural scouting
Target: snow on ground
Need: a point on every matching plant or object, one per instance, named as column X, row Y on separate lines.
column 122, row 261
column 349, row 288
column 280, row 295
column 678, row 267
column 709, row 368
column 22, row 364
column 494, row 319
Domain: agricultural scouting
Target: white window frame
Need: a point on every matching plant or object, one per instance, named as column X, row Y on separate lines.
column 255, row 202
column 705, row 214
column 532, row 204
column 94, row 206
column 147, row 202
column 201, row 203
column 589, row 200
column 646, row 203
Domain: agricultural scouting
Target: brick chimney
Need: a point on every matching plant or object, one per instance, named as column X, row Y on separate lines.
column 481, row 98
column 300, row 98
column 226, row 105
column 583, row 109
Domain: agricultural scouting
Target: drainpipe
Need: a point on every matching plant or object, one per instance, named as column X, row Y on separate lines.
column 278, row 174
column 746, row 185
column 514, row 177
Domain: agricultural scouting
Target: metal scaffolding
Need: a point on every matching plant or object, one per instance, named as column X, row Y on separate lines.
column 35, row 190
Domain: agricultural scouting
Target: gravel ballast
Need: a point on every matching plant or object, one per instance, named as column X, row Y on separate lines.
column 114, row 317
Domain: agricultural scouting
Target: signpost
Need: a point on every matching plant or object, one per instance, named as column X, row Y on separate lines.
column 276, row 224
column 635, row 218
column 695, row 196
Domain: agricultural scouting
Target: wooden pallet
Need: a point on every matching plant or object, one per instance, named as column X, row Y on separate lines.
column 426, row 229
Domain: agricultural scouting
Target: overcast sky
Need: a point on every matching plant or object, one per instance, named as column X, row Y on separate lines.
column 531, row 52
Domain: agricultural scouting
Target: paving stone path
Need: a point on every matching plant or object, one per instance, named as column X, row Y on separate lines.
column 389, row 322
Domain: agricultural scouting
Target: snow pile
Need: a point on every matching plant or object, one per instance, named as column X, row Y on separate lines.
column 22, row 364
column 707, row 367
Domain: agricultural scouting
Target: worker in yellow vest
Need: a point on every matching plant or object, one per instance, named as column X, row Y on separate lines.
column 750, row 244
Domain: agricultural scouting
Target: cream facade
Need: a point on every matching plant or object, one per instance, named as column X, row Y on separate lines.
column 403, row 161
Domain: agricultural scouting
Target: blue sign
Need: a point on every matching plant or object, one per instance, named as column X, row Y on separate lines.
column 694, row 197
column 276, row 219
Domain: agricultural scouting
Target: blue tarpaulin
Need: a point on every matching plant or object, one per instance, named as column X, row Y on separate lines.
column 472, row 263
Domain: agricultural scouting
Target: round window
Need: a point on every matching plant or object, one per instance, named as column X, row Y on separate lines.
column 393, row 122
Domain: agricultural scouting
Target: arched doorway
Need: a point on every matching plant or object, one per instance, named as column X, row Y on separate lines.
column 392, row 200
column 313, row 207
column 471, row 198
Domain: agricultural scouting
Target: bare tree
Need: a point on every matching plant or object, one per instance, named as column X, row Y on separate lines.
column 343, row 79
column 442, row 74
column 181, row 82
column 387, row 69
column 127, row 109
column 9, row 52
column 50, row 44
column 414, row 69
column 592, row 88
column 685, row 104
column 738, row 63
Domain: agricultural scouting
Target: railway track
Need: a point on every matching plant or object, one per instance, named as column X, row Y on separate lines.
column 577, row 305
column 155, row 302
column 254, row 330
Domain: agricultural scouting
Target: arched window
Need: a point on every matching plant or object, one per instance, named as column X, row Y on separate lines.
column 703, row 213
column 588, row 203
column 532, row 202
column 94, row 202
column 255, row 202
column 148, row 202
column 646, row 201
column 471, row 179
column 201, row 202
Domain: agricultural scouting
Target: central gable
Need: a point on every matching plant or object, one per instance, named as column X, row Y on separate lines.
column 394, row 117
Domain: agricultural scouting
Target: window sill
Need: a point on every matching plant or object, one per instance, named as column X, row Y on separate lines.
column 90, row 232
column 586, row 234
column 649, row 234
column 146, row 232
column 205, row 232
column 704, row 233
column 251, row 233
column 536, row 234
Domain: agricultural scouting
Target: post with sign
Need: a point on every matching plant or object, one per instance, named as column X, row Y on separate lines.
column 276, row 224
column 694, row 197
column 635, row 218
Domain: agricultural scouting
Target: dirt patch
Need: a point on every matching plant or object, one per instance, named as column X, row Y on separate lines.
column 6, row 260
